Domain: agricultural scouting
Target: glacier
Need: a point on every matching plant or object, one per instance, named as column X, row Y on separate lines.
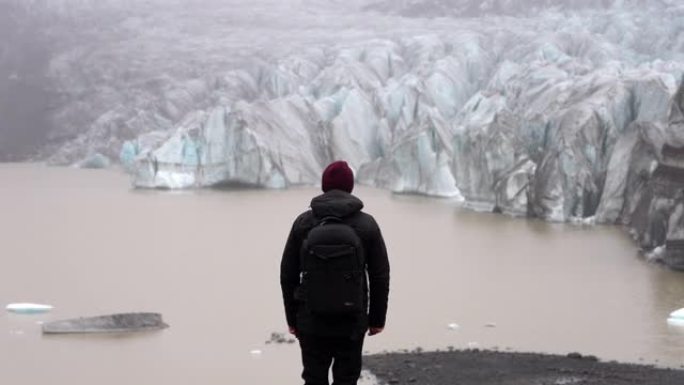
column 566, row 111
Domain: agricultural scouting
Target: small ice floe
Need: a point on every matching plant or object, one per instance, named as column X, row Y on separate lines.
column 655, row 254
column 473, row 345
column 676, row 318
column 676, row 322
column 453, row 326
column 256, row 353
column 28, row 308
column 95, row 161
column 113, row 323
column 678, row 314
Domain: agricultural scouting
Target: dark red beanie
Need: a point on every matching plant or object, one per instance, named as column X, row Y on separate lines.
column 338, row 176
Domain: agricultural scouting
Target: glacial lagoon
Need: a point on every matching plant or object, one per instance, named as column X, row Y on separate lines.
column 88, row 244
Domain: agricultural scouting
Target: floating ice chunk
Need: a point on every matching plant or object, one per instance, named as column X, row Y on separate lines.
column 256, row 352
column 28, row 308
column 655, row 254
column 453, row 326
column 473, row 345
column 678, row 314
column 678, row 322
column 95, row 161
column 115, row 323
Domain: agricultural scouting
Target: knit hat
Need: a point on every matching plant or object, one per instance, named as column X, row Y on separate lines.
column 338, row 176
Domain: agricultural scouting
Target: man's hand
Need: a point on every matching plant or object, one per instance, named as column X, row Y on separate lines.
column 293, row 331
column 373, row 331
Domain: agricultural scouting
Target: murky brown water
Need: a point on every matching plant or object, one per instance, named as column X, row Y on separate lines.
column 86, row 243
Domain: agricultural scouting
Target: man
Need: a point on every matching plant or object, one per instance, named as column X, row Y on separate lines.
column 331, row 329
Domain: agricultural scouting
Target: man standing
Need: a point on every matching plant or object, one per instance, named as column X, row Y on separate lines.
column 334, row 276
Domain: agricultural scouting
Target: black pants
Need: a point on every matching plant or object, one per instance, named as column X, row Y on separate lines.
column 344, row 353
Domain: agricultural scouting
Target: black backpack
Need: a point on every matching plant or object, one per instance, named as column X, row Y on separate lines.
column 333, row 269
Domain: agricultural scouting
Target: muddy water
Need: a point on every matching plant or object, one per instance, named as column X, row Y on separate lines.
column 86, row 243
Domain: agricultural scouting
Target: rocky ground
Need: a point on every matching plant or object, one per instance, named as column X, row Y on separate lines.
column 488, row 367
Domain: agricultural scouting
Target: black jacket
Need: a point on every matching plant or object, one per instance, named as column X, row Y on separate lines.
column 343, row 205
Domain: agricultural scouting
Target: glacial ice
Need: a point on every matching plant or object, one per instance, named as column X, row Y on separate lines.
column 543, row 127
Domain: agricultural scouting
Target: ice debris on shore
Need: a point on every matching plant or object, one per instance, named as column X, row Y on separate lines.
column 28, row 308
column 280, row 338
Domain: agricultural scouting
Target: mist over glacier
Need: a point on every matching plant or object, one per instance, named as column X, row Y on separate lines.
column 559, row 110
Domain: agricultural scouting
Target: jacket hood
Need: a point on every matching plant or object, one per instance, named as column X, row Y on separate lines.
column 335, row 203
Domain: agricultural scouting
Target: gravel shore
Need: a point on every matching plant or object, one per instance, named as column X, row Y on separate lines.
column 496, row 368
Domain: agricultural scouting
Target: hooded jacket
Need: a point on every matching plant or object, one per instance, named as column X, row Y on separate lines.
column 343, row 205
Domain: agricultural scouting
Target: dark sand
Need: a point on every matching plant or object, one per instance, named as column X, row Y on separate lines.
column 486, row 367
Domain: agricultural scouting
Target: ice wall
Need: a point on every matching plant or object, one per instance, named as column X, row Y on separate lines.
column 561, row 114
